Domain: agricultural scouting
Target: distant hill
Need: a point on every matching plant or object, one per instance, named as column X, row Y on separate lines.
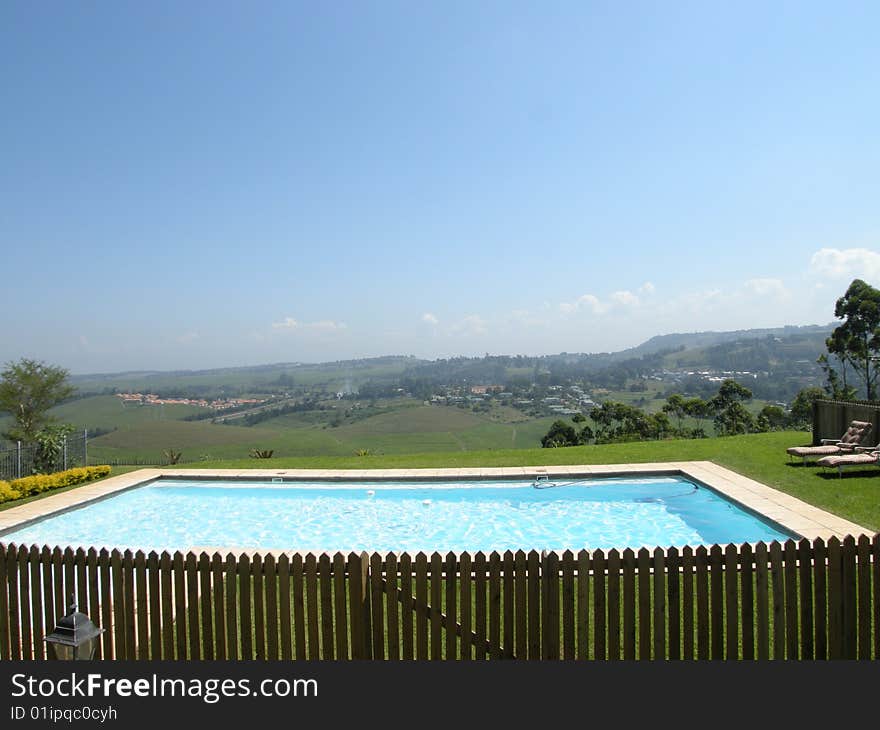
column 790, row 349
column 690, row 340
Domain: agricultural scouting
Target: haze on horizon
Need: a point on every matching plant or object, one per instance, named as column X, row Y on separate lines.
column 191, row 187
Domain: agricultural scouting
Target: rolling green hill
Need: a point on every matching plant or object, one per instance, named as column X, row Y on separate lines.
column 405, row 430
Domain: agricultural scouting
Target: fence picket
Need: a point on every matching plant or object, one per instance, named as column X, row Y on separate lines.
column 613, row 604
column 600, row 644
column 340, row 608
column 673, row 587
column 211, row 629
column 284, row 605
column 731, row 607
column 299, row 606
column 406, row 605
column 716, row 600
column 230, row 590
column 120, row 629
column 687, row 602
column 48, row 597
column 358, row 593
column 747, row 602
column 644, row 592
column 659, row 601
column 762, row 601
column 166, row 576
column 24, row 603
column 328, row 644
column 436, row 605
column 848, row 578
column 777, row 586
column 377, row 593
column 701, row 569
column 270, row 582
column 155, row 621
column 421, row 573
column 583, row 603
column 534, row 604
column 140, row 580
column 177, row 565
column 863, row 548
column 550, row 605
column 245, row 613
column 805, row 597
column 629, row 605
column 465, row 579
column 495, row 606
column 5, row 643
column 36, row 601
column 451, row 609
column 15, row 640
column 821, row 599
column 791, row 605
column 259, row 611
column 60, row 599
column 192, row 606
column 835, row 600
column 310, row 578
column 507, row 590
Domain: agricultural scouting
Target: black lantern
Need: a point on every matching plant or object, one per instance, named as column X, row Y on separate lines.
column 74, row 637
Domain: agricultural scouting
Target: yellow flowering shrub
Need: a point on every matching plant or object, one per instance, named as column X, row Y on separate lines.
column 7, row 493
column 39, row 483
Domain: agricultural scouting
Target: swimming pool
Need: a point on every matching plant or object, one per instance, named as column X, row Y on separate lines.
column 178, row 514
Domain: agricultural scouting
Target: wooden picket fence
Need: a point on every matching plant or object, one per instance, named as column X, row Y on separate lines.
column 796, row 600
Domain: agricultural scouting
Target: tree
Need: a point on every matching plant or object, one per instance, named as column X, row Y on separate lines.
column 560, row 434
column 731, row 416
column 734, row 419
column 857, row 340
column 835, row 385
column 802, row 407
column 676, row 406
column 771, row 418
column 28, row 389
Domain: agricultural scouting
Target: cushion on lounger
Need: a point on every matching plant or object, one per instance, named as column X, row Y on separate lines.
column 848, row 459
column 856, row 432
column 813, row 450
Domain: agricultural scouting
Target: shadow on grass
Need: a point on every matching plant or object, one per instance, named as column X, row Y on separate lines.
column 851, row 474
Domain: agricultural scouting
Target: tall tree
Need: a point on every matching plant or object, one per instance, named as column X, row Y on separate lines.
column 857, row 340
column 28, row 389
column 731, row 416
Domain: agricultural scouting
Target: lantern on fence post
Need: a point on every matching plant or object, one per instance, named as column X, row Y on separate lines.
column 74, row 637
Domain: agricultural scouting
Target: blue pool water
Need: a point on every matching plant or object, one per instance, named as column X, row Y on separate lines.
column 511, row 515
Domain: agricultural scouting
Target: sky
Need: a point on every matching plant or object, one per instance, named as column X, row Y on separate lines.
column 198, row 185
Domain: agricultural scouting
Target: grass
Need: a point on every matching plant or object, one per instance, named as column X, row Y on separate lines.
column 406, row 427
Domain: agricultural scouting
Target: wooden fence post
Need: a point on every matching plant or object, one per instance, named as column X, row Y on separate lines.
column 359, row 600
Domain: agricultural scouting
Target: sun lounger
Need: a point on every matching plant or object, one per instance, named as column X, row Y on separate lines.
column 856, row 458
column 856, row 435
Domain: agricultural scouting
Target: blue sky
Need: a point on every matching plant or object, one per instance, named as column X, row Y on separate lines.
column 193, row 185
